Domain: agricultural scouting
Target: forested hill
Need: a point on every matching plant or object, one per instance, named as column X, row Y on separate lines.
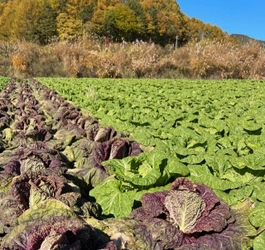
column 160, row 21
column 246, row 39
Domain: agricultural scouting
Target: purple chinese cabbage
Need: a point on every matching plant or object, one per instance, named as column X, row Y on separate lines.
column 104, row 134
column 4, row 120
column 115, row 148
column 128, row 233
column 216, row 214
column 33, row 187
column 88, row 156
column 197, row 215
column 54, row 233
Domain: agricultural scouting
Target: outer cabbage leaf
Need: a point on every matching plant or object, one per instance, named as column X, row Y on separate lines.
column 235, row 195
column 229, row 238
column 104, row 134
column 194, row 247
column 91, row 176
column 113, row 201
column 253, row 161
column 44, row 210
column 258, row 192
column 259, row 241
column 140, row 193
column 175, row 168
column 142, row 171
column 242, row 210
column 202, row 174
column 257, row 214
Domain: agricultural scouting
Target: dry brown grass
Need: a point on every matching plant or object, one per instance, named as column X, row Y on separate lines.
column 222, row 60
column 206, row 59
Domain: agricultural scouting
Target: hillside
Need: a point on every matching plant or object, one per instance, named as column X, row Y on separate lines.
column 246, row 39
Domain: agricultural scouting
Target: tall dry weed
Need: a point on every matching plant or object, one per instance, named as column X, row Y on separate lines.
column 23, row 57
column 71, row 57
column 208, row 59
column 90, row 58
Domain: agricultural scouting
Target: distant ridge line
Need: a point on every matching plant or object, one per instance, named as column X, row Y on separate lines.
column 246, row 39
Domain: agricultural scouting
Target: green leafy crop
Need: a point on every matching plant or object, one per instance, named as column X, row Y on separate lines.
column 212, row 132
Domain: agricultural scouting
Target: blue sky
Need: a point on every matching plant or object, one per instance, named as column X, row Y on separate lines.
column 245, row 17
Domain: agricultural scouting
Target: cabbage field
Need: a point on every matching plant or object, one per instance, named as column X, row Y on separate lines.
column 132, row 164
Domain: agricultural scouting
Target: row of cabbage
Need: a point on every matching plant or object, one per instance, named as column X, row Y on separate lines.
column 50, row 157
column 211, row 132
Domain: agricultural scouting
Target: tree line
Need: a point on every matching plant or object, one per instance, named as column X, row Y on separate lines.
column 159, row 21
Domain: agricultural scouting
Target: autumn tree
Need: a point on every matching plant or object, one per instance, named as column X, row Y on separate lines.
column 107, row 4
column 46, row 24
column 140, row 16
column 2, row 7
column 100, row 20
column 120, row 23
column 109, row 27
column 164, row 20
column 212, row 32
column 69, row 24
column 128, row 25
column 26, row 19
column 68, row 27
column 150, row 13
column 197, row 30
column 61, row 7
column 86, row 9
column 7, row 20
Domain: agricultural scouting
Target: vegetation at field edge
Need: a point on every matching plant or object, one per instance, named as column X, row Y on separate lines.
column 198, row 60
